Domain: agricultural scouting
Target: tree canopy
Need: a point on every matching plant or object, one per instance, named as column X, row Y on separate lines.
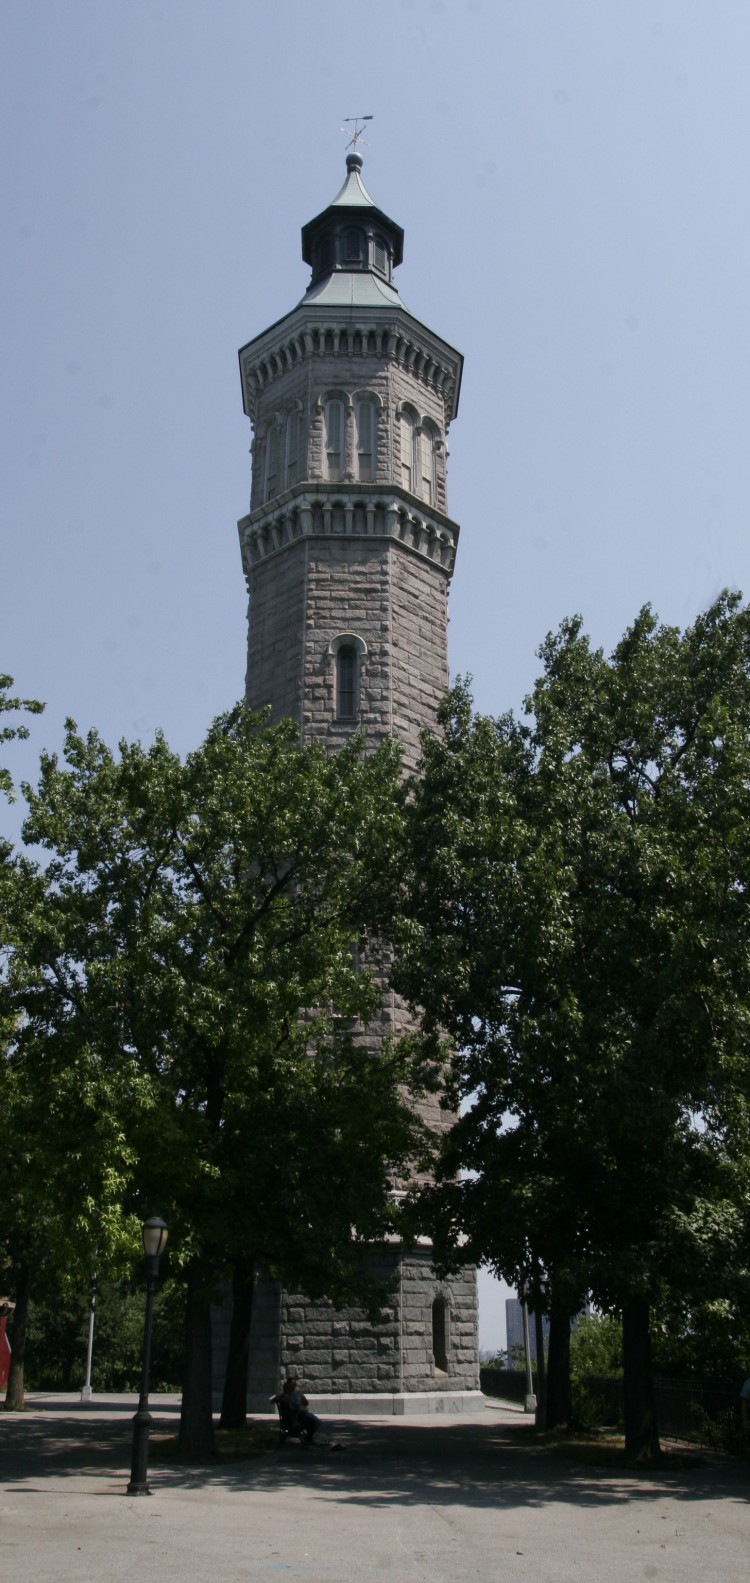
column 10, row 705
column 195, row 934
column 580, row 932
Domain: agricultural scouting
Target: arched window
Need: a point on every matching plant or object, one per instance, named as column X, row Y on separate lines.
column 272, row 462
column 367, row 417
column 334, row 438
column 427, row 476
column 349, row 652
column 346, row 682
column 293, row 469
column 440, row 1334
column 379, row 255
column 407, row 426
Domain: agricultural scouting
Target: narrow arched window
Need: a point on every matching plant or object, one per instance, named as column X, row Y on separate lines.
column 379, row 255
column 346, row 681
column 366, row 435
column 272, row 462
column 334, row 428
column 427, row 481
column 293, row 446
column 440, row 1334
column 407, row 451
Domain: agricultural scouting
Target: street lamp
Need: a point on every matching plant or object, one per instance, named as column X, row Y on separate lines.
column 154, row 1233
column 529, row 1403
column 86, row 1387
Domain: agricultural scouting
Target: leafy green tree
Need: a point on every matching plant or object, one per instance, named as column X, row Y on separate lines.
column 58, row 1337
column 205, row 943
column 64, row 1158
column 596, row 1347
column 66, row 1162
column 9, row 705
column 580, row 931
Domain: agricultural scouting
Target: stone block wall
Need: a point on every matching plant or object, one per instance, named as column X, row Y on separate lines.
column 419, row 1288
column 419, row 659
column 276, row 633
column 318, row 588
column 341, row 1352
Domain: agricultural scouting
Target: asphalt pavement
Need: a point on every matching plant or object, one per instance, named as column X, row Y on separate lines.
column 415, row 1500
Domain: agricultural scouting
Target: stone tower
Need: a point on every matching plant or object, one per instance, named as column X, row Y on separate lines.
column 348, row 551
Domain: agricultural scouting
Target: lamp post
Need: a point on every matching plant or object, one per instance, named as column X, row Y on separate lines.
column 86, row 1388
column 154, row 1234
column 529, row 1405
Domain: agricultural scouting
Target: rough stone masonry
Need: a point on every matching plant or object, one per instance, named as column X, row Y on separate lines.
column 348, row 552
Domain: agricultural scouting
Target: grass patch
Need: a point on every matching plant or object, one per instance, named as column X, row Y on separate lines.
column 232, row 1445
column 605, row 1448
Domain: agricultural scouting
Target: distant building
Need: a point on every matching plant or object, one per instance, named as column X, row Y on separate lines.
column 514, row 1326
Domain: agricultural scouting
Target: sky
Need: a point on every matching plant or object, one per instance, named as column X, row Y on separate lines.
column 571, row 176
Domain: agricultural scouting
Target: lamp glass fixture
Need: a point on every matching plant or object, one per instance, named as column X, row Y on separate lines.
column 154, row 1233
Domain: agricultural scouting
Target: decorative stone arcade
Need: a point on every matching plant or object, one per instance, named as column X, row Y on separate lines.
column 348, row 551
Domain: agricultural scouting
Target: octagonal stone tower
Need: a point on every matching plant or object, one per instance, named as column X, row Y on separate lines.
column 348, row 551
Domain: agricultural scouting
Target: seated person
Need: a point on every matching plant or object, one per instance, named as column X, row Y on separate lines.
column 297, row 1406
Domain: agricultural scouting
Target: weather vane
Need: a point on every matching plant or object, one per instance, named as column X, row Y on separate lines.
column 357, row 138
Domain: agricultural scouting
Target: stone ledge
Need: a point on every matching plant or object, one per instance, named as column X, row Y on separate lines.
column 331, row 513
column 385, row 1404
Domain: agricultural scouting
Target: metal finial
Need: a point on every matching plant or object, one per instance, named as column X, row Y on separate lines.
column 358, row 135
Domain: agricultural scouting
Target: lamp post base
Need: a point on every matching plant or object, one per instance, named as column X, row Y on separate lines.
column 139, row 1466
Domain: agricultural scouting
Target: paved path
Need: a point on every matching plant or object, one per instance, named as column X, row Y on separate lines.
column 407, row 1501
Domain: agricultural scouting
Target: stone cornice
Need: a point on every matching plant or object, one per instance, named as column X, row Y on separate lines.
column 391, row 334
column 370, row 511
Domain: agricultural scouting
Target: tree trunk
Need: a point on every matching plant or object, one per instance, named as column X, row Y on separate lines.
column 14, row 1395
column 541, row 1372
column 234, row 1400
column 196, row 1418
column 641, row 1430
column 559, row 1396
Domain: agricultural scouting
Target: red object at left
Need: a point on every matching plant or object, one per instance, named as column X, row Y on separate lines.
column 4, row 1354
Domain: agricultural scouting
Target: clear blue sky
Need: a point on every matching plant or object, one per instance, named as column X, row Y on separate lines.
column 572, row 179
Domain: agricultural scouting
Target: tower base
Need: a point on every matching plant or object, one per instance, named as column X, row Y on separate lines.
column 422, row 1356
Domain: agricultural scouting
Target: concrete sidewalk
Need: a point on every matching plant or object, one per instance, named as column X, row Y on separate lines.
column 416, row 1500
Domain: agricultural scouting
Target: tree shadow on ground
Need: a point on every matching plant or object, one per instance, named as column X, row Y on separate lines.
column 381, row 1465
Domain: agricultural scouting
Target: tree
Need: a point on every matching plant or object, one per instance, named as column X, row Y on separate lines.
column 64, row 1159
column 580, row 930
column 208, row 919
column 9, row 705
column 66, row 1162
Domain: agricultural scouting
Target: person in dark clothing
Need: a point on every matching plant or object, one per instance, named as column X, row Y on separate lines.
column 298, row 1408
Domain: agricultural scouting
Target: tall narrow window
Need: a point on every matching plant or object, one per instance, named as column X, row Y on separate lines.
column 353, row 246
column 427, row 466
column 366, row 429
column 272, row 462
column 293, row 441
column 346, row 682
column 334, row 427
column 324, row 256
column 407, row 451
column 440, row 1334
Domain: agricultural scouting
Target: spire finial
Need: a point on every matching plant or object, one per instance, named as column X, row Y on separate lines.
column 354, row 160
